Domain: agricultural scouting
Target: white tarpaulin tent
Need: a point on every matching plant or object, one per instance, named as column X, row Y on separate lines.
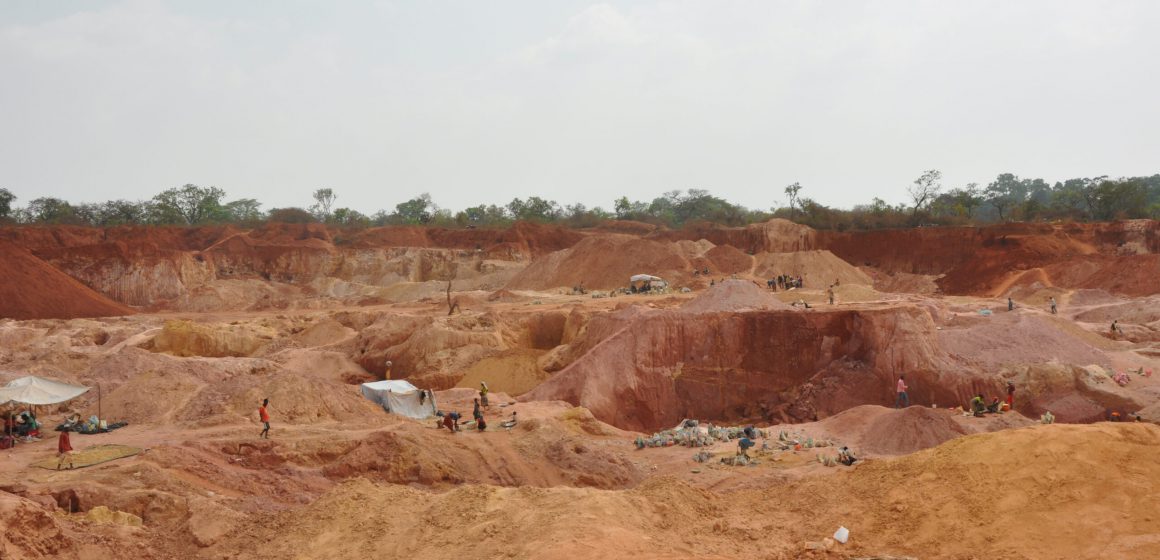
column 37, row 391
column 400, row 397
column 647, row 281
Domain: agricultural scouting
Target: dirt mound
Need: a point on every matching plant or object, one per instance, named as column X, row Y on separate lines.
column 489, row 522
column 32, row 289
column 538, row 451
column 989, row 491
column 726, row 259
column 818, row 269
column 1001, row 474
column 506, row 296
column 603, row 262
column 323, row 333
column 734, row 295
column 884, row 431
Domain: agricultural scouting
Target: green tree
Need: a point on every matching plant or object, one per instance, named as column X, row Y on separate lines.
column 6, row 200
column 323, row 199
column 190, row 204
column 48, row 210
column 1004, row 193
column 243, row 211
column 290, row 215
column 970, row 198
column 925, row 188
column 348, row 217
column 534, row 209
column 124, row 212
column 1123, row 198
column 418, row 210
column 622, row 207
column 791, row 192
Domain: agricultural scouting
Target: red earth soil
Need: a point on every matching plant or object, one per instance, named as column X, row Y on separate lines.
column 32, row 289
column 159, row 267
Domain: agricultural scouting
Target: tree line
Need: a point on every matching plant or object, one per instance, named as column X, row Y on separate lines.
column 1007, row 198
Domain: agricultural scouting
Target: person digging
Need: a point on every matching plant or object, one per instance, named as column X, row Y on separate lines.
column 846, row 457
column 743, row 446
column 978, row 405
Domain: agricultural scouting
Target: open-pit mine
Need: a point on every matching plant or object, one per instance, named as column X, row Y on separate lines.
column 615, row 406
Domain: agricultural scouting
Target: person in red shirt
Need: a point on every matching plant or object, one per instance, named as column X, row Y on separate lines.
column 265, row 418
column 64, row 449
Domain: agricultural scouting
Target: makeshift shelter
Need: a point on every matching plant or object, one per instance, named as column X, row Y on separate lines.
column 39, row 391
column 400, row 397
column 646, row 282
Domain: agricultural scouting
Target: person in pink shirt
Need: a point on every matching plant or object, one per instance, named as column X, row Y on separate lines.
column 903, row 400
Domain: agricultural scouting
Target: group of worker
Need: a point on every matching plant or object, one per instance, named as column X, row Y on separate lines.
column 784, row 282
column 450, row 420
column 979, row 406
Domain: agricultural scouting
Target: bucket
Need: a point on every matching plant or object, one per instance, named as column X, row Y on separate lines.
column 842, row 535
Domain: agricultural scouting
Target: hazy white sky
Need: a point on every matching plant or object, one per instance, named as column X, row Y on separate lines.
column 479, row 102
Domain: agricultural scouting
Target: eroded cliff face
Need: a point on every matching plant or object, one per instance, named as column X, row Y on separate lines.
column 663, row 366
column 291, row 265
column 649, row 369
column 283, row 265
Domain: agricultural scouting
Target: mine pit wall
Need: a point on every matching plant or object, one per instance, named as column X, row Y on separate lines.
column 153, row 282
column 137, row 280
column 663, row 366
column 669, row 365
column 160, row 267
column 940, row 250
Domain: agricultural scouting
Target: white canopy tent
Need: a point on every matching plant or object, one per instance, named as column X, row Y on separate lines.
column 39, row 391
column 400, row 397
column 647, row 282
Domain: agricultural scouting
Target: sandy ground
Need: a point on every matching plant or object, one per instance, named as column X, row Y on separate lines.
column 340, row 478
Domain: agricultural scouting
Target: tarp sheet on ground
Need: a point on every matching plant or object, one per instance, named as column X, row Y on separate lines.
column 38, row 390
column 400, row 397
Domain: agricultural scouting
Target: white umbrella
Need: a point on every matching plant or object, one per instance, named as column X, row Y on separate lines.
column 38, row 391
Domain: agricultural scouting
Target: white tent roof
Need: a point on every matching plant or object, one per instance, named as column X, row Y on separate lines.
column 643, row 277
column 37, row 390
column 399, row 396
column 392, row 385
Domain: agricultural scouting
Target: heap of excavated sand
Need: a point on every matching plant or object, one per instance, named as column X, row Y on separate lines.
column 885, row 431
column 33, row 289
column 818, row 269
column 734, row 295
column 602, row 262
